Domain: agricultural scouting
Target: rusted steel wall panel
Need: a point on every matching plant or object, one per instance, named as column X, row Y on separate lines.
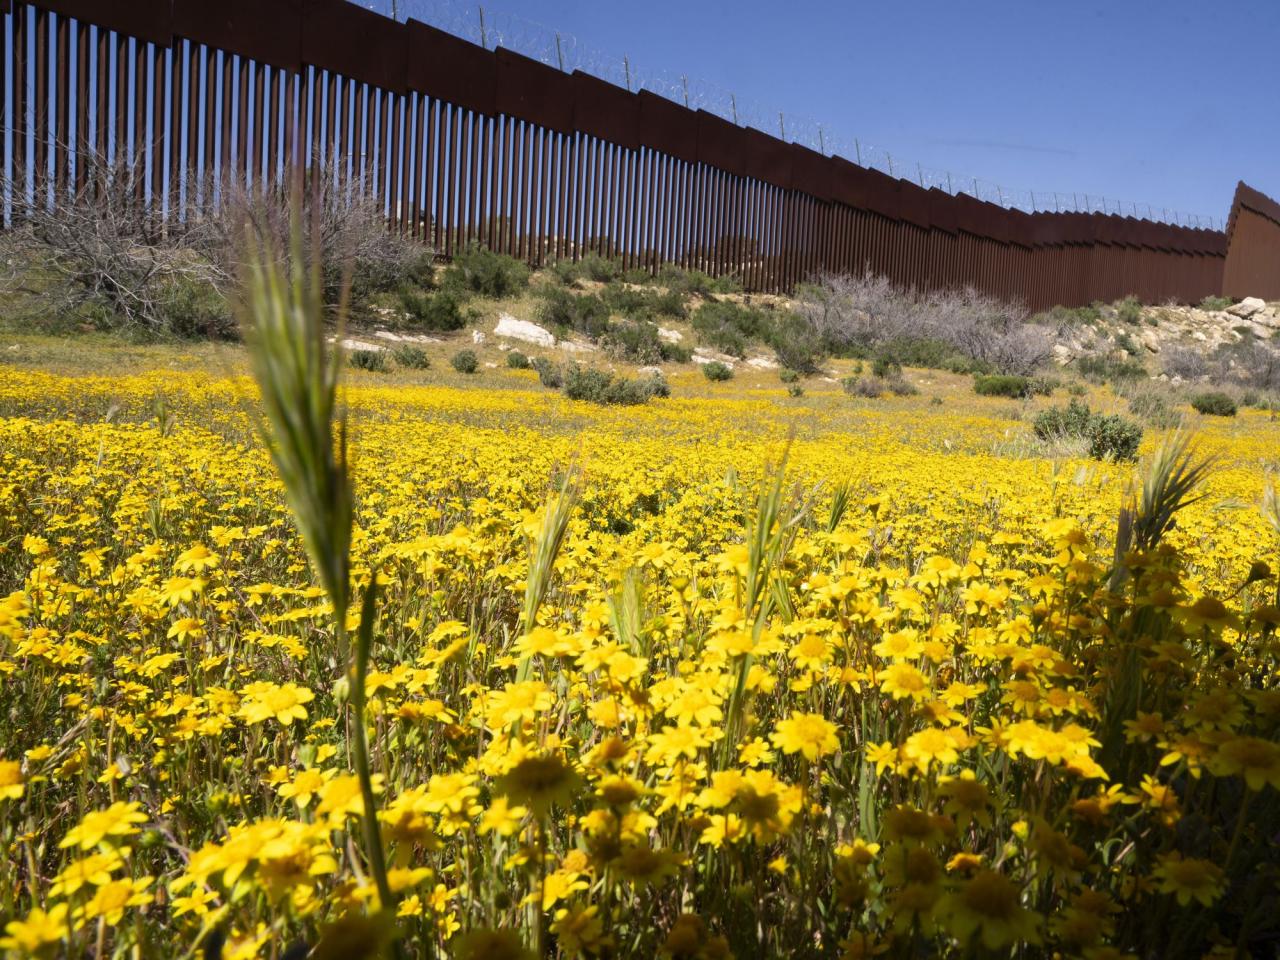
column 148, row 20
column 811, row 172
column 357, row 43
column 602, row 110
column 721, row 144
column 768, row 159
column 270, row 33
column 534, row 92
column 449, row 68
column 1252, row 263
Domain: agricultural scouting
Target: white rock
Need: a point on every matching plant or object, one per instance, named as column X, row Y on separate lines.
column 576, row 346
column 509, row 326
column 1247, row 307
column 702, row 356
column 405, row 337
column 477, row 336
column 350, row 344
column 669, row 336
column 762, row 363
column 650, row 370
column 1269, row 318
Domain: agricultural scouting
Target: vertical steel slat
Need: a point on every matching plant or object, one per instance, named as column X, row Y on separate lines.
column 256, row 173
column 493, row 236
column 41, row 103
column 178, row 83
column 241, row 163
column 289, row 122
column 82, row 105
column 140, row 64
column 417, row 158
column 62, row 95
column 156, row 117
column 544, row 193
column 457, row 186
column 563, row 142
column 484, row 176
column 368, row 175
column 271, row 114
column 395, row 186
column 440, row 124
column 224, row 103
column 510, row 189
column 21, row 88
column 431, row 190
column 525, row 209
column 469, row 178
column 569, row 216
column 207, row 151
column 329, row 159
column 355, row 135
column 386, row 106
column 595, row 209
column 626, row 170
column 102, row 119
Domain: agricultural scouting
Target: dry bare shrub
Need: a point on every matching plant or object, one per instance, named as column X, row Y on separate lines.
column 1186, row 363
column 101, row 252
column 856, row 314
column 105, row 254
column 852, row 313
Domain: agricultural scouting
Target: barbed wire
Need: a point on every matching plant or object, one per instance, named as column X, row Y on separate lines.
column 564, row 51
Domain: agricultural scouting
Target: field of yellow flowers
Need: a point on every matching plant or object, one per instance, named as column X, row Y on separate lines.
column 637, row 687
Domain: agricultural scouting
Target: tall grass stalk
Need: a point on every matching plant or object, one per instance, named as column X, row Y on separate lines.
column 304, row 426
column 1168, row 485
column 1171, row 476
column 543, row 553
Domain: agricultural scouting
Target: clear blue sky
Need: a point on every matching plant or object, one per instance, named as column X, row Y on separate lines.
column 1168, row 103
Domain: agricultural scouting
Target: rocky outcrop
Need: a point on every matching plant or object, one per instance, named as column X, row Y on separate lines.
column 515, row 329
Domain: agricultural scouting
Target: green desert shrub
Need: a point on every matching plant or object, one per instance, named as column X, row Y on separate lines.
column 1100, row 369
column 717, row 372
column 375, row 361
column 1109, row 436
column 1002, row 385
column 414, row 358
column 465, row 361
column 885, row 365
column 584, row 313
column 478, row 270
column 550, row 374
column 517, row 361
column 602, row 387
column 433, row 311
column 1214, row 403
column 867, row 387
column 795, row 343
column 1129, row 310
column 730, row 327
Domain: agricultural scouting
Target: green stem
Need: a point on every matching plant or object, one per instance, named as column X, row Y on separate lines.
column 360, row 748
